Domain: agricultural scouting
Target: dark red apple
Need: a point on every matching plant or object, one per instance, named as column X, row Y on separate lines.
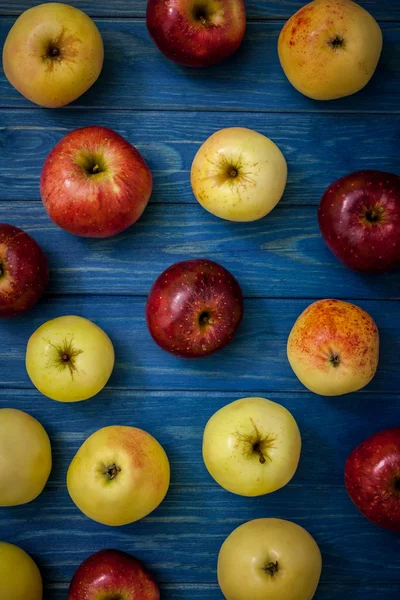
column 359, row 218
column 372, row 478
column 194, row 308
column 94, row 183
column 24, row 271
column 112, row 575
column 196, row 33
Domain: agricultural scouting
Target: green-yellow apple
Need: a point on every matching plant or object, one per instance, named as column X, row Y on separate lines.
column 53, row 54
column 119, row 475
column 25, row 458
column 252, row 446
column 69, row 359
column 20, row 578
column 334, row 348
column 330, row 49
column 238, row 174
column 269, row 559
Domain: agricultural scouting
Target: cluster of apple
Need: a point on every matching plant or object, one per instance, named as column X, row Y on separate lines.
column 94, row 183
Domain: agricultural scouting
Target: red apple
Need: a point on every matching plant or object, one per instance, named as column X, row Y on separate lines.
column 94, row 183
column 112, row 575
column 196, row 33
column 372, row 478
column 23, row 271
column 359, row 218
column 194, row 308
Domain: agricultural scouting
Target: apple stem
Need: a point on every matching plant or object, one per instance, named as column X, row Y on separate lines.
column 65, row 357
column 233, row 172
column 95, row 169
column 258, row 451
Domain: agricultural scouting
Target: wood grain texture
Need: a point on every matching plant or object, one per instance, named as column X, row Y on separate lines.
column 267, row 256
column 177, row 419
column 282, row 265
column 181, row 539
column 259, row 9
column 318, row 148
column 168, row 539
column 255, row 360
column 211, row 592
column 250, row 80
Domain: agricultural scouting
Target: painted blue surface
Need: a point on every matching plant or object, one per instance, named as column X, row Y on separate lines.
column 281, row 263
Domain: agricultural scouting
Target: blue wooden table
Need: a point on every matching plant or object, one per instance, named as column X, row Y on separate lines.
column 281, row 262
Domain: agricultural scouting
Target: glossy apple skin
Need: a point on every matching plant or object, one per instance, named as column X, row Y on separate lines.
column 196, row 33
column 112, row 571
column 24, row 271
column 346, row 219
column 98, row 204
column 372, row 478
column 194, row 308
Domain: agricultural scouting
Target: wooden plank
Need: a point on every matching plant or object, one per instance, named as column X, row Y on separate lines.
column 137, row 76
column 177, row 419
column 331, row 591
column 259, row 9
column 319, row 148
column 256, row 360
column 180, row 541
column 282, row 255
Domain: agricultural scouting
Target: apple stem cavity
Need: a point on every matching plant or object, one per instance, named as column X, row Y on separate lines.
column 233, row 172
column 205, row 318
column 1, row 270
column 334, row 359
column 255, row 444
column 112, row 471
column 271, row 568
column 337, row 42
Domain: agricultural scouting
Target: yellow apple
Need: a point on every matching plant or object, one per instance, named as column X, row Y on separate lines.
column 119, row 475
column 20, row 578
column 25, row 458
column 252, row 446
column 269, row 559
column 330, row 49
column 334, row 348
column 69, row 359
column 238, row 174
column 53, row 54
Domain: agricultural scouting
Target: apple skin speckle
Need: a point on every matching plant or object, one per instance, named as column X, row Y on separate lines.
column 113, row 574
column 24, row 271
column 194, row 308
column 196, row 35
column 372, row 478
column 359, row 219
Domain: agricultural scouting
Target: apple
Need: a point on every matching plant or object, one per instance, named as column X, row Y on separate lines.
column 194, row 308
column 333, row 348
column 20, row 578
column 24, row 272
column 372, row 478
column 252, row 446
column 359, row 218
column 94, row 183
column 25, row 458
column 119, row 475
column 69, row 359
column 112, row 574
column 196, row 33
column 269, row 559
column 330, row 49
column 53, row 54
column 238, row 174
